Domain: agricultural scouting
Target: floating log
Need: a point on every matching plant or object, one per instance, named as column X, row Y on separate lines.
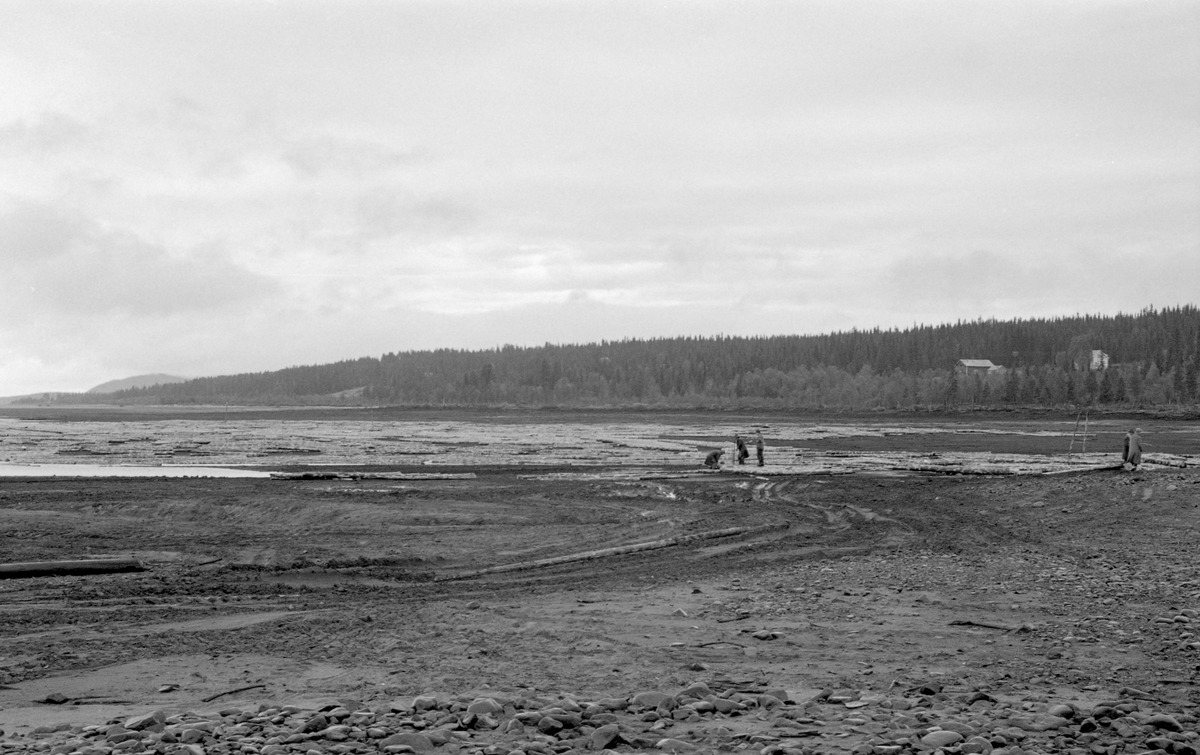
column 69, row 568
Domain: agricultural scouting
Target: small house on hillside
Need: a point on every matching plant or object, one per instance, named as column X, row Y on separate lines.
column 1099, row 360
column 975, row 367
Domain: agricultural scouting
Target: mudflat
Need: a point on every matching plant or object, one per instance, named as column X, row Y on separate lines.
column 858, row 610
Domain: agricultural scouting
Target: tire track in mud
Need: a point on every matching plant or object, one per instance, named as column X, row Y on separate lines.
column 822, row 527
column 686, row 520
column 837, row 515
column 780, row 517
column 595, row 555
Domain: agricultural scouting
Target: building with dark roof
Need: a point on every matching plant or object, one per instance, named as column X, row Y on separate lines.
column 975, row 366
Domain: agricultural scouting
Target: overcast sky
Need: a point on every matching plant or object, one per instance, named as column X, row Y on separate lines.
column 206, row 187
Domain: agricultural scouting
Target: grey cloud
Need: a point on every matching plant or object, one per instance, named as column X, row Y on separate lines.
column 70, row 265
column 327, row 154
column 32, row 231
column 47, row 132
column 1052, row 279
column 958, row 278
column 122, row 274
column 384, row 213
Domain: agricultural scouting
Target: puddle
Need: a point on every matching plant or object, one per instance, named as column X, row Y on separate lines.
column 105, row 470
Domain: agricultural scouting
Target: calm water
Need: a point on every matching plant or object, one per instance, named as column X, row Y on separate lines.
column 108, row 470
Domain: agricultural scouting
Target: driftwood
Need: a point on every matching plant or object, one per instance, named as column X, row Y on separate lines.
column 1089, row 468
column 619, row 550
column 67, row 568
column 1167, row 460
column 984, row 624
column 232, row 691
column 1137, row 694
column 321, row 475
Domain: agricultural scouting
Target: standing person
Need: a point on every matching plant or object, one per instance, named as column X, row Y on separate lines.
column 1133, row 449
column 742, row 453
column 758, row 447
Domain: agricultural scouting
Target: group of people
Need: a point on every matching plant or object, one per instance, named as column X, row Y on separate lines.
column 713, row 460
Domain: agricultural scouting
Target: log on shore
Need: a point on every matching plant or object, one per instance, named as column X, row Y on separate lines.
column 69, row 568
column 1088, row 468
column 421, row 476
column 1169, row 460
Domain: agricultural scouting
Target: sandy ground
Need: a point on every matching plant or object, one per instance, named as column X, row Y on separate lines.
column 316, row 590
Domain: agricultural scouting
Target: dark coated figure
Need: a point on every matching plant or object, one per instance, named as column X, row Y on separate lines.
column 1132, row 455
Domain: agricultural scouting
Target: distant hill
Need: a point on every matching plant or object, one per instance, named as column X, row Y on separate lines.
column 1148, row 359
column 137, row 381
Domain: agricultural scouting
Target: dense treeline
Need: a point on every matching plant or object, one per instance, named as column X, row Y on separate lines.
column 1154, row 360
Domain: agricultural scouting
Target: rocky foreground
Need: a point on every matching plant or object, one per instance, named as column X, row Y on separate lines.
column 723, row 716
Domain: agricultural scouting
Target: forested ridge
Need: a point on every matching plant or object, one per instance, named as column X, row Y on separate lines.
column 1154, row 360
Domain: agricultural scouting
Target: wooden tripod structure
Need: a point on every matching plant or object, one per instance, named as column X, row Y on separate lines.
column 1075, row 432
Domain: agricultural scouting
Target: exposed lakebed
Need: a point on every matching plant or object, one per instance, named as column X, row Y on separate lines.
column 183, row 446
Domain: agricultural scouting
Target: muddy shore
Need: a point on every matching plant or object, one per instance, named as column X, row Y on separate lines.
column 1033, row 591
